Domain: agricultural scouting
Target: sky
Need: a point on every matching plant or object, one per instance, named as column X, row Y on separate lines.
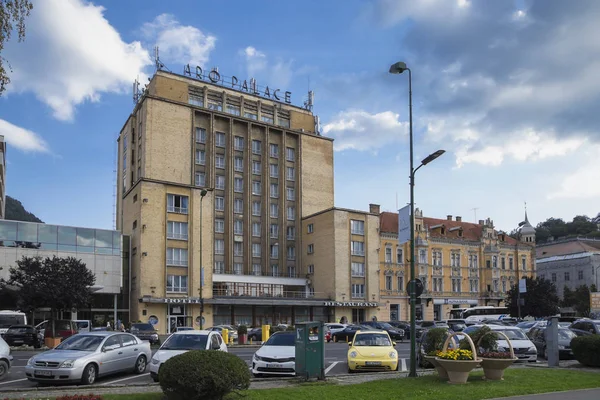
column 509, row 89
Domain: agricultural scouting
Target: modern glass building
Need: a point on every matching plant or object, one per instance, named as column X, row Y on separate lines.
column 105, row 253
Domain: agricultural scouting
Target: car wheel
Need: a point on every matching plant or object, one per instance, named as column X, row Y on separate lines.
column 3, row 368
column 546, row 353
column 37, row 345
column 257, row 375
column 351, row 371
column 155, row 378
column 140, row 365
column 89, row 375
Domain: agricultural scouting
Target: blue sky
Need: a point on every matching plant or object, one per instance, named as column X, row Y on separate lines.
column 508, row 88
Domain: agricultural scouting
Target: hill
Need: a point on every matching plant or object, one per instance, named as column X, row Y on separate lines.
column 16, row 212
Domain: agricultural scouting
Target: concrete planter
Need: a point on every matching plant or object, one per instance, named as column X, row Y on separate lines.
column 458, row 370
column 493, row 368
column 440, row 370
column 52, row 342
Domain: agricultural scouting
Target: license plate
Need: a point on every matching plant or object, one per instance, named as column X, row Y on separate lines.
column 372, row 363
column 17, row 341
column 43, row 373
column 274, row 366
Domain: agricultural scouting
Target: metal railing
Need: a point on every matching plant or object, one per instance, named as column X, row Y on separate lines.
column 285, row 294
column 179, row 236
column 276, row 274
column 178, row 210
column 177, row 263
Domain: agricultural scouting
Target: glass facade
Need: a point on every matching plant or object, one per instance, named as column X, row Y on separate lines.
column 59, row 238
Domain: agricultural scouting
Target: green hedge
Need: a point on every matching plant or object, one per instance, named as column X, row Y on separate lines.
column 586, row 350
column 203, row 375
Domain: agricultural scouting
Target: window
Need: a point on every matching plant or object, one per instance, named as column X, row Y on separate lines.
column 422, row 256
column 196, row 100
column 274, row 251
column 358, row 270
column 219, row 225
column 358, row 248
column 311, row 249
column 255, row 249
column 256, row 187
column 219, row 203
column 220, row 161
column 291, row 253
column 200, row 135
column 510, row 263
column 503, row 285
column 283, row 121
column 178, row 257
column 400, row 283
column 237, row 268
column 274, row 191
column 494, row 261
column 238, row 164
column 291, row 232
column 200, row 179
column 436, row 258
column 273, row 171
column 177, row 204
column 474, row 285
column 358, row 291
column 274, row 270
column 290, row 154
column 274, row 150
column 220, row 182
column 256, row 270
column 256, row 167
column 177, row 283
column 200, row 157
column 310, row 228
column 238, row 206
column 399, row 259
column 219, row 246
column 238, row 143
column 291, row 174
column 311, row 269
column 274, row 231
column 438, row 284
column 388, row 253
column 291, row 213
column 503, row 262
column 235, row 110
column 554, row 277
column 357, row 227
column 251, row 115
column 580, row 275
column 256, row 147
column 289, row 194
column 266, row 118
column 219, row 267
column 523, row 264
column 473, row 261
column 238, row 249
column 238, row 227
column 256, row 208
column 238, row 184
column 220, row 139
column 567, row 276
column 388, row 282
column 177, row 230
column 256, row 229
column 291, row 271
column 456, row 285
column 274, row 210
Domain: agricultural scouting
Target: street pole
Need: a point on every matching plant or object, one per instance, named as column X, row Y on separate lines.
column 202, row 194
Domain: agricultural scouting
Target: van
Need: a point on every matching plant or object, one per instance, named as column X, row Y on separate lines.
column 83, row 325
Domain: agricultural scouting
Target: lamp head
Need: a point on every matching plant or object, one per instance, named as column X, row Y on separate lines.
column 398, row 68
column 203, row 192
column 432, row 157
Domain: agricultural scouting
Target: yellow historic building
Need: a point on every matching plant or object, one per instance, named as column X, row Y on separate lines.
column 461, row 264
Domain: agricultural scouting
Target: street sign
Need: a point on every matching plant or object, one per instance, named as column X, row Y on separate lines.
column 522, row 286
column 418, row 287
column 403, row 225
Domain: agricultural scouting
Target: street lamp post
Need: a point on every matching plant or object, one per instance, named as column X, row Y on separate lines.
column 399, row 68
column 203, row 193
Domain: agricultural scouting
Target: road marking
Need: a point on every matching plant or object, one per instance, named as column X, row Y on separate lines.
column 125, row 379
column 333, row 364
column 403, row 365
column 16, row 380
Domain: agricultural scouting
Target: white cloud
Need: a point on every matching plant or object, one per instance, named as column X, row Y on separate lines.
column 179, row 43
column 360, row 130
column 584, row 181
column 71, row 55
column 278, row 74
column 22, row 139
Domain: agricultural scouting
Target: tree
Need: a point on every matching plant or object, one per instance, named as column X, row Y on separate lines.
column 16, row 212
column 58, row 283
column 11, row 12
column 541, row 299
column 568, row 299
column 581, row 225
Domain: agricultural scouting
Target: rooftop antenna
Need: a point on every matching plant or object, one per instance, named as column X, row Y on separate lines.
column 136, row 91
column 475, row 212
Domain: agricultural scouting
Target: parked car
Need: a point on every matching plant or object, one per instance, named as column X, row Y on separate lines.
column 277, row 356
column 64, row 328
column 183, row 341
column 539, row 338
column 585, row 326
column 404, row 325
column 395, row 333
column 347, row 334
column 255, row 334
column 5, row 358
column 18, row 335
column 455, row 325
column 86, row 356
column 83, row 325
column 232, row 332
column 335, row 327
column 372, row 351
column 524, row 349
column 145, row 331
column 184, row 328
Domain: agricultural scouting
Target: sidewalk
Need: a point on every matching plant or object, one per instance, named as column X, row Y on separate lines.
column 583, row 394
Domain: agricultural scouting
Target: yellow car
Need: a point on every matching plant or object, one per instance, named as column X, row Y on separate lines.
column 372, row 351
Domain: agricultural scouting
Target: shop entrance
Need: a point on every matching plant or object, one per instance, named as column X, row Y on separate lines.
column 358, row 315
column 178, row 317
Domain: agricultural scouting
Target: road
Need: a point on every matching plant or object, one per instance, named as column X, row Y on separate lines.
column 335, row 364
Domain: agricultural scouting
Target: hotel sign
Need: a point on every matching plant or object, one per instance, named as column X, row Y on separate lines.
column 349, row 304
column 234, row 83
column 172, row 300
column 455, row 301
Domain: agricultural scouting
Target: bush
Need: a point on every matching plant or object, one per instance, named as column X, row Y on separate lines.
column 203, row 374
column 488, row 343
column 242, row 330
column 586, row 350
column 434, row 340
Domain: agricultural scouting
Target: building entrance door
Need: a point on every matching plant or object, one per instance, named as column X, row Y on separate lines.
column 358, row 315
column 178, row 317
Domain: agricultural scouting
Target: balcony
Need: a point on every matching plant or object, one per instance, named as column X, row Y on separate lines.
column 278, row 274
column 177, row 236
column 177, row 263
column 285, row 294
column 177, row 210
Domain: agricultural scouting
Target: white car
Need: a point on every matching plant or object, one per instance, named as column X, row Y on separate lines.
column 182, row 341
column 334, row 328
column 5, row 358
column 277, row 356
column 524, row 348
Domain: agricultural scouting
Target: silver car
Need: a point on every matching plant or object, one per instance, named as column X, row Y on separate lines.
column 86, row 356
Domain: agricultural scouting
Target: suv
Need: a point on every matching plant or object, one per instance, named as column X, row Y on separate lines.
column 586, row 327
column 145, row 331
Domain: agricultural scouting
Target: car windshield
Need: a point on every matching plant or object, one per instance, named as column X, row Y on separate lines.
column 7, row 320
column 513, row 334
column 81, row 342
column 142, row 327
column 285, row 339
column 372, row 339
column 457, row 327
column 385, row 325
column 19, row 329
column 185, row 342
column 566, row 334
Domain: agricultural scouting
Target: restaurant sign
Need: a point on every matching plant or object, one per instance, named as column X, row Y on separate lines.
column 349, row 304
column 234, row 83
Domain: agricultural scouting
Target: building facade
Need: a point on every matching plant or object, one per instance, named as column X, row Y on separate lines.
column 571, row 262
column 104, row 252
column 461, row 264
column 2, row 177
column 214, row 184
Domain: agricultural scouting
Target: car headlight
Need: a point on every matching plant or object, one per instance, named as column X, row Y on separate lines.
column 67, row 364
column 257, row 358
column 155, row 361
column 532, row 348
column 31, row 361
column 154, row 336
column 353, row 354
column 392, row 354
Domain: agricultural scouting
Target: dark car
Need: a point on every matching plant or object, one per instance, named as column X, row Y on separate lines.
column 18, row 335
column 145, row 331
column 404, row 325
column 539, row 339
column 395, row 333
column 586, row 326
column 255, row 334
column 347, row 334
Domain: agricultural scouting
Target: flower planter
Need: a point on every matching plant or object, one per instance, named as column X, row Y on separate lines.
column 493, row 368
column 440, row 370
column 51, row 342
column 458, row 370
column 242, row 338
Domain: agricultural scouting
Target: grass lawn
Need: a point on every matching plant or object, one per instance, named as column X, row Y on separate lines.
column 518, row 381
